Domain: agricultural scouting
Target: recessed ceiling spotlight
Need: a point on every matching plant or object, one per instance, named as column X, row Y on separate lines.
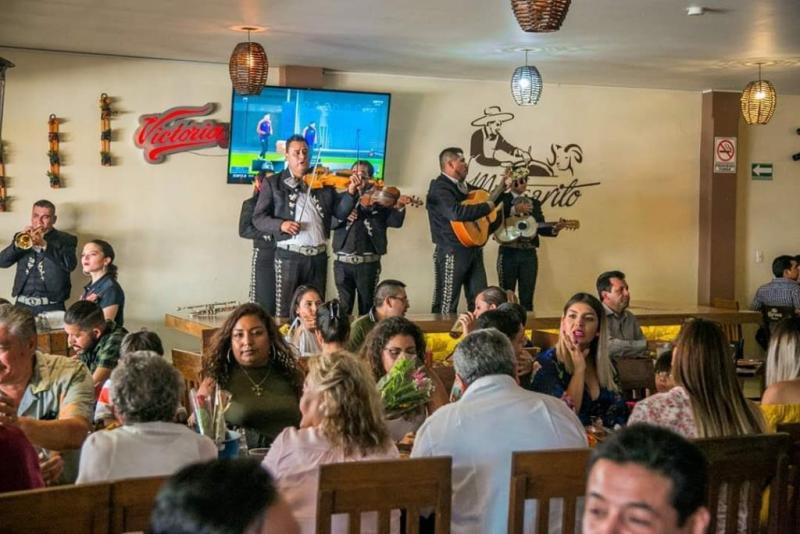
column 694, row 11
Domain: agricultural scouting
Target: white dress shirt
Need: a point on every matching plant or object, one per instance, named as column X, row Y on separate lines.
column 294, row 459
column 312, row 231
column 494, row 418
column 142, row 450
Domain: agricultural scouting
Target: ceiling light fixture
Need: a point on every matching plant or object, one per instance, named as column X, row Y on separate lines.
column 538, row 16
column 526, row 84
column 695, row 11
column 758, row 101
column 248, row 65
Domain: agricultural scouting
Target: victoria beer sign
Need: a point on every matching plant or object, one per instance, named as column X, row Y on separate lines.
column 173, row 131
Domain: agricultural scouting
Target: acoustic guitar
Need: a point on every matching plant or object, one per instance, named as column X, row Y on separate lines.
column 514, row 228
column 476, row 233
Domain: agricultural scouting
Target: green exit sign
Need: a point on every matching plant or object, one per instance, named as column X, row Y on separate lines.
column 761, row 171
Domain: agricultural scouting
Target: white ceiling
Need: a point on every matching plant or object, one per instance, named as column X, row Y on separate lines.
column 631, row 43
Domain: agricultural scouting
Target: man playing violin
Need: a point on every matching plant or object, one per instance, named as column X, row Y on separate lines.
column 359, row 241
column 297, row 213
column 517, row 262
column 454, row 264
column 44, row 257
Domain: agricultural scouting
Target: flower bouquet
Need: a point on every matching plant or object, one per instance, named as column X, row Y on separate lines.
column 404, row 388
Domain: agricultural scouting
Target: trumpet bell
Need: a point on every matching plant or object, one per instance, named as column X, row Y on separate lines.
column 23, row 241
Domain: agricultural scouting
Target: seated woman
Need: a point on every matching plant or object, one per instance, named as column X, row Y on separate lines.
column 97, row 260
column 146, row 392
column 248, row 358
column 342, row 422
column 578, row 369
column 303, row 313
column 333, row 327
column 781, row 400
column 390, row 340
column 19, row 469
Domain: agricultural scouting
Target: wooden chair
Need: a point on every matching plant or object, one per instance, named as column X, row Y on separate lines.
column 545, row 475
column 745, row 367
column 189, row 365
column 755, row 462
column 382, row 486
column 132, row 502
column 732, row 331
column 65, row 509
column 793, row 507
column 636, row 376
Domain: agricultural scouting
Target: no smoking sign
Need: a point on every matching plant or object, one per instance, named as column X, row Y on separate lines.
column 725, row 155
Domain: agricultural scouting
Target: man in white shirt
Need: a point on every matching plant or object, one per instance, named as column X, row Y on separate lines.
column 494, row 418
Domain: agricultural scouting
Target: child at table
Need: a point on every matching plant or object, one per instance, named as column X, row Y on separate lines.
column 663, row 370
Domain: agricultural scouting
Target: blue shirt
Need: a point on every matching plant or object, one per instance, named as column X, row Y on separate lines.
column 109, row 293
column 779, row 292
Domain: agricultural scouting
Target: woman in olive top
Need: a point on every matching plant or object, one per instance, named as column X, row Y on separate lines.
column 248, row 358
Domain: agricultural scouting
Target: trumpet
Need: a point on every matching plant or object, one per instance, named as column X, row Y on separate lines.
column 23, row 241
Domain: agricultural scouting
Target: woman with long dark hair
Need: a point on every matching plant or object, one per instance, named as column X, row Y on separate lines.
column 97, row 260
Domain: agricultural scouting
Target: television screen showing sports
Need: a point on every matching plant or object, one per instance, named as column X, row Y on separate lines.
column 340, row 127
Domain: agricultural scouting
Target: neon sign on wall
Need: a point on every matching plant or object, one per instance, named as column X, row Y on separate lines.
column 173, row 131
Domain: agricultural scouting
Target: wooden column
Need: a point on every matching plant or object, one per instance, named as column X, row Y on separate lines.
column 717, row 218
column 306, row 77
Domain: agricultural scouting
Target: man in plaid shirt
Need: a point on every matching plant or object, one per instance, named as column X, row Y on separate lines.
column 93, row 339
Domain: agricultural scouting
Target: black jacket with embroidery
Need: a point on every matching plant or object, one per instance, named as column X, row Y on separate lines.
column 58, row 260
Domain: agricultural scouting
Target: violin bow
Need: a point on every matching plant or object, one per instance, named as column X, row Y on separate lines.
column 311, row 185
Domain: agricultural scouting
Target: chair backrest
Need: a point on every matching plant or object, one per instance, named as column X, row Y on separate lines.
column 733, row 331
column 636, row 377
column 793, row 511
column 382, row 486
column 545, row 475
column 744, row 466
column 772, row 315
column 132, row 503
column 189, row 365
column 63, row 509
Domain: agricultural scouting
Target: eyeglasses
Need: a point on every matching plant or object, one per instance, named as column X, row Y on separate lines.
column 395, row 352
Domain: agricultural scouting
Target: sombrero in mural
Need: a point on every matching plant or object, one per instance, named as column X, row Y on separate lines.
column 492, row 114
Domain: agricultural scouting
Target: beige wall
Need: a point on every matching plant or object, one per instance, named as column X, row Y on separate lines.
column 174, row 225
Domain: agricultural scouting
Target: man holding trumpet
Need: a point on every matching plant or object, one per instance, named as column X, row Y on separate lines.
column 45, row 257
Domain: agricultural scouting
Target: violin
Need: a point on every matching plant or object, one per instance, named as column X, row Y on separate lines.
column 323, row 177
column 387, row 197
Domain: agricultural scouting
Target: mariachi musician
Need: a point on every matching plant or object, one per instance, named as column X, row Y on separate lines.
column 454, row 264
column 262, row 267
column 297, row 209
column 359, row 241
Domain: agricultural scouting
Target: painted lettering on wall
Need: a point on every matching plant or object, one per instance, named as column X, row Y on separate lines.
column 173, row 131
column 490, row 153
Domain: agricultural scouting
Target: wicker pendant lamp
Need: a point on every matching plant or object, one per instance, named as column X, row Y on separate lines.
column 248, row 66
column 540, row 15
column 758, row 101
column 526, row 84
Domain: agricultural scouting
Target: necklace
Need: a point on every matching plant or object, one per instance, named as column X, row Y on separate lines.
column 257, row 389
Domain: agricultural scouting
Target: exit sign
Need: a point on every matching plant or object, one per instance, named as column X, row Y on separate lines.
column 761, row 171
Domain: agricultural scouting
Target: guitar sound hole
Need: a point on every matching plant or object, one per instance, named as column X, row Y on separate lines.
column 522, row 225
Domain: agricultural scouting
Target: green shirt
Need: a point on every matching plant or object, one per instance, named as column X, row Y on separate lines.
column 359, row 330
column 105, row 353
column 263, row 417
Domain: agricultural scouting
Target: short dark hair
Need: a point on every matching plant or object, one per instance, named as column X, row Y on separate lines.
column 85, row 315
column 451, row 152
column 668, row 454
column 604, row 281
column 332, row 324
column 504, row 320
column 664, row 363
column 144, row 339
column 45, row 204
column 519, row 311
column 370, row 167
column 296, row 138
column 387, row 288
column 199, row 498
column 495, row 295
column 781, row 263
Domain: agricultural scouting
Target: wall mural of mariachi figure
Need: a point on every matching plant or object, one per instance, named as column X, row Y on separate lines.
column 491, row 153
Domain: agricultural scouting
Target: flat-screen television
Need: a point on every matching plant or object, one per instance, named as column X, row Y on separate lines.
column 339, row 126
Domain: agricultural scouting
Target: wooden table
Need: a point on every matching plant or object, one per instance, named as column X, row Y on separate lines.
column 648, row 314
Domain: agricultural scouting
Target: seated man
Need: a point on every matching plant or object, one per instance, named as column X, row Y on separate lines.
column 50, row 398
column 469, row 431
column 93, row 338
column 390, row 301
column 783, row 291
column 488, row 299
column 646, row 479
column 201, row 498
column 625, row 337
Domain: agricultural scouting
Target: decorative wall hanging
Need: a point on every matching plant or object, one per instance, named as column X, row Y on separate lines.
column 3, row 202
column 105, row 130
column 170, row 132
column 538, row 16
column 54, row 174
column 4, row 66
column 758, row 101
column 526, row 84
column 248, row 65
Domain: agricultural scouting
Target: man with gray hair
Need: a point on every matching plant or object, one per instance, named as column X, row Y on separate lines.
column 390, row 300
column 50, row 398
column 493, row 405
